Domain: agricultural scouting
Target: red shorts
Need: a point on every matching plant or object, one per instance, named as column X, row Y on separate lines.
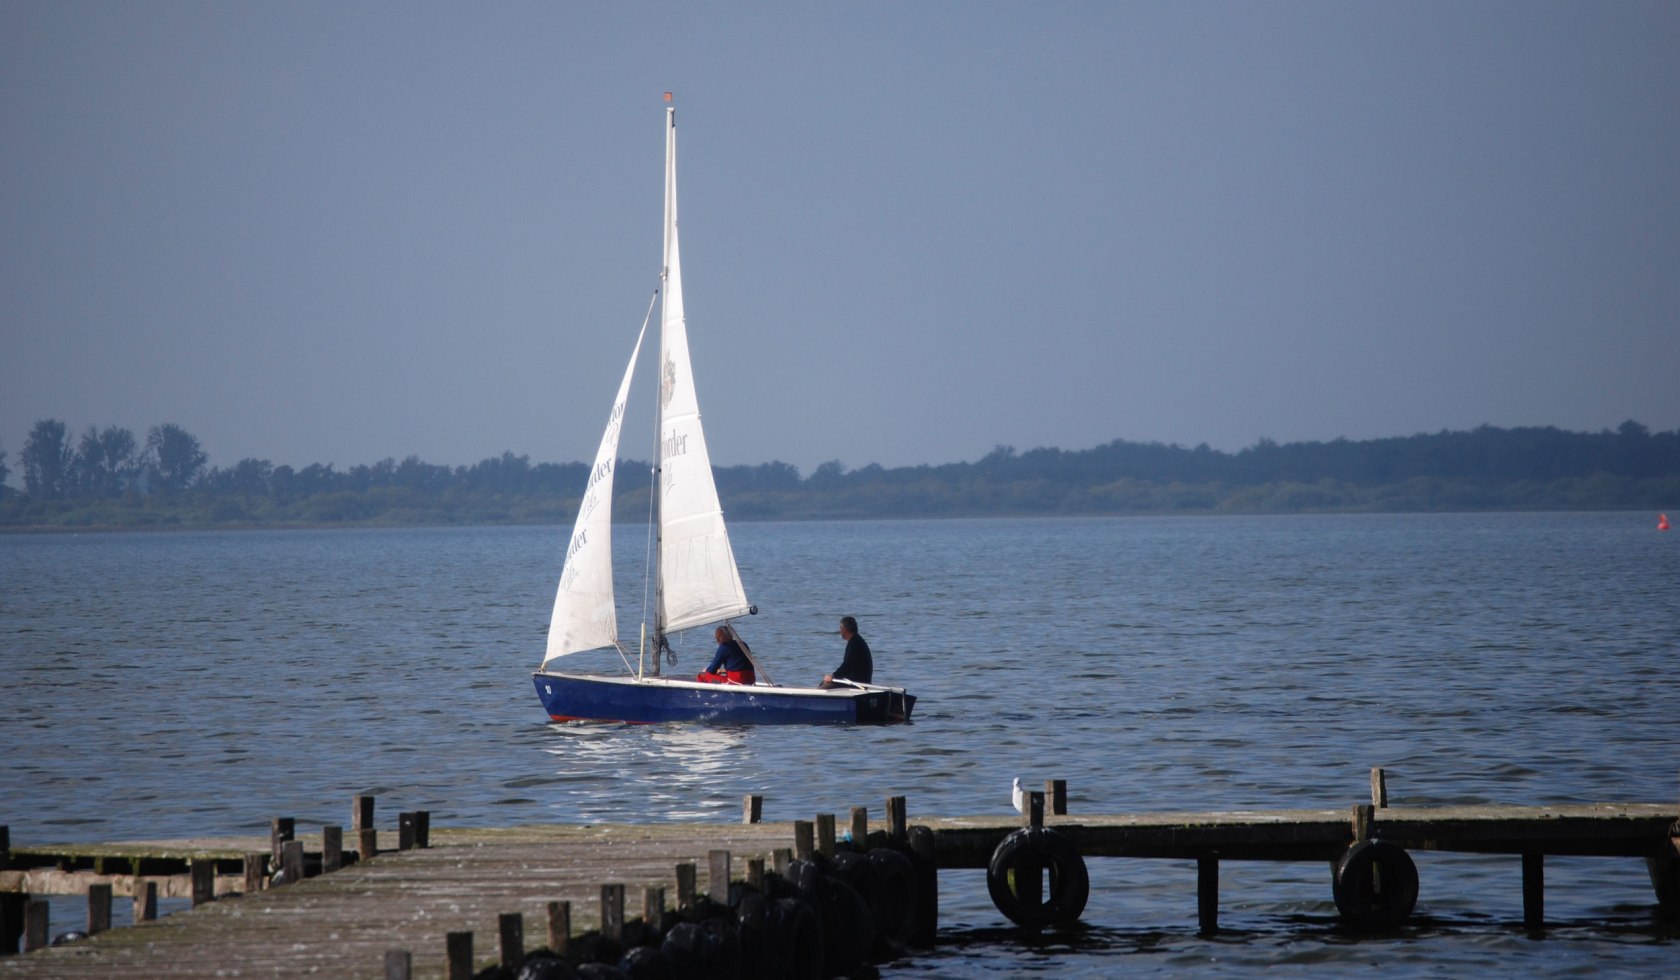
column 727, row 677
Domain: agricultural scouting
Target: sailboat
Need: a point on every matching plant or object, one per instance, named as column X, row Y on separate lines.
column 697, row 582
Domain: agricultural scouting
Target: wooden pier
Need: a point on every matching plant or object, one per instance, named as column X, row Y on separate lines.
column 452, row 901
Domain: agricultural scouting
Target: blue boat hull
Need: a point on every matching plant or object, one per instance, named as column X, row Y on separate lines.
column 598, row 697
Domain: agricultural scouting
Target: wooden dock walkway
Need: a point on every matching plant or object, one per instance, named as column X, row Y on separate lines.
column 344, row 923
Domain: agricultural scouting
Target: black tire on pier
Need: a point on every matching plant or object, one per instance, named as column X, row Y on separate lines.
column 1014, row 878
column 1376, row 885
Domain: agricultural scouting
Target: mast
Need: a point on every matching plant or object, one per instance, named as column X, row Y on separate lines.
column 665, row 308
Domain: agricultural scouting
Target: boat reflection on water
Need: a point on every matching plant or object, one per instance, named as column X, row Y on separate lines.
column 682, row 770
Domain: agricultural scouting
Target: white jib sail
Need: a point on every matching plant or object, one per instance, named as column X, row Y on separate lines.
column 699, row 582
column 584, row 615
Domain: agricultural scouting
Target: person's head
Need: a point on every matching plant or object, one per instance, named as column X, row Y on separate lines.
column 721, row 634
column 848, row 627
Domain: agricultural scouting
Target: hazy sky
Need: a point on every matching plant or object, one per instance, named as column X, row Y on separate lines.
column 340, row 232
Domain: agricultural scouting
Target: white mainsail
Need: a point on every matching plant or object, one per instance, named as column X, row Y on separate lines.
column 585, row 617
column 698, row 580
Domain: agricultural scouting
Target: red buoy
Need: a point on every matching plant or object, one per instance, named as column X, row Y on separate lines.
column 1662, row 522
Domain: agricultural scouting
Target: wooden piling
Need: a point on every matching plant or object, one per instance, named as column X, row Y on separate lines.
column 458, row 955
column 685, row 886
column 422, row 829
column 717, row 876
column 755, row 872
column 367, row 843
column 612, row 912
column 653, row 908
column 860, row 828
column 99, row 907
column 825, row 834
column 1534, row 890
column 145, row 900
column 11, row 921
column 332, row 848
column 256, row 872
column 1363, row 814
column 804, row 841
column 897, row 820
column 1379, row 788
column 1034, row 815
column 1055, row 790
column 927, row 885
column 780, row 858
column 560, row 927
column 399, row 964
column 204, row 879
column 1207, row 894
column 35, row 927
column 291, row 861
column 752, row 809
column 405, row 831
column 361, row 814
column 510, row 932
column 281, row 830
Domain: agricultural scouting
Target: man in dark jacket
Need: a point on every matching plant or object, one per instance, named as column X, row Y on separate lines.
column 857, row 665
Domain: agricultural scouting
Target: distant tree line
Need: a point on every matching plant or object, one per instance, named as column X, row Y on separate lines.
column 108, row 478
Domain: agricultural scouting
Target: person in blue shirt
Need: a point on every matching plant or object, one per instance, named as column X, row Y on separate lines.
column 736, row 667
column 857, row 665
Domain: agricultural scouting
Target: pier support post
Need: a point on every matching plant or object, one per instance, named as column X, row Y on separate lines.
column 35, row 927
column 1379, row 788
column 405, row 831
column 780, row 858
column 99, row 908
column 291, row 861
column 825, row 834
column 422, row 829
column 361, row 814
column 653, row 908
column 860, row 828
column 367, row 843
column 145, row 900
column 560, row 927
column 897, row 818
column 204, row 878
column 803, row 841
column 752, row 809
column 612, row 912
column 256, row 872
column 685, row 886
column 11, row 921
column 332, row 848
column 280, row 830
column 755, row 872
column 510, row 931
column 1207, row 893
column 458, row 955
column 1034, row 817
column 399, row 964
column 927, row 886
column 1055, row 790
column 717, row 876
column 1363, row 814
column 1534, row 890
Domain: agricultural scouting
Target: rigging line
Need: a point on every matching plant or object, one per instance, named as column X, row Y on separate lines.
column 758, row 669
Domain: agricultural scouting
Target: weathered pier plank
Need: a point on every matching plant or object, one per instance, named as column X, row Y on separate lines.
column 1626, row 829
column 344, row 923
column 472, row 880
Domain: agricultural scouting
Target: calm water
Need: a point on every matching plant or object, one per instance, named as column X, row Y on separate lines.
column 177, row 684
